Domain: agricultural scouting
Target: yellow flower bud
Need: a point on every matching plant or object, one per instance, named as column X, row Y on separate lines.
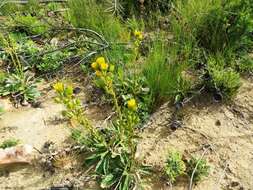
column 95, row 65
column 104, row 66
column 100, row 60
column 131, row 104
column 140, row 37
column 98, row 73
column 58, row 87
column 137, row 33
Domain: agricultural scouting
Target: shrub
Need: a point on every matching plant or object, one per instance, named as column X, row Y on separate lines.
column 175, row 166
column 202, row 169
column 224, row 80
column 213, row 26
column 230, row 25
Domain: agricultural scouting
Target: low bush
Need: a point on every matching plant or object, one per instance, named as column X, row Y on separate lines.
column 200, row 168
column 175, row 166
column 223, row 80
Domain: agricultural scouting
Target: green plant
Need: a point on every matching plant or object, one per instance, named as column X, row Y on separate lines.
column 111, row 150
column 244, row 64
column 9, row 143
column 51, row 62
column 200, row 168
column 135, row 86
column 223, row 80
column 27, row 24
column 90, row 14
column 163, row 76
column 175, row 166
column 19, row 87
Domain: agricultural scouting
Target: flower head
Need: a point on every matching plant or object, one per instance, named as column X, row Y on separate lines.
column 58, row 87
column 138, row 34
column 95, row 65
column 104, row 66
column 131, row 104
column 100, row 60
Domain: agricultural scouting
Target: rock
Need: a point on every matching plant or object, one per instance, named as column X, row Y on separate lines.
column 24, row 103
column 235, row 183
column 77, row 90
column 16, row 155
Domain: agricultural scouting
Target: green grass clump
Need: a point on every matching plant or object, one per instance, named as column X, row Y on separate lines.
column 215, row 26
column 202, row 170
column 163, row 75
column 9, row 143
column 90, row 14
column 175, row 166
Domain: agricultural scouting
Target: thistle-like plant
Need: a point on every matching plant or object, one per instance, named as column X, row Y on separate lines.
column 175, row 166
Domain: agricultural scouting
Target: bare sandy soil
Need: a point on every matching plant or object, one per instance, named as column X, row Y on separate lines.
column 224, row 131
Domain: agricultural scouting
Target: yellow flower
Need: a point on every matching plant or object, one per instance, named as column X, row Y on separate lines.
column 98, row 73
column 100, row 60
column 131, row 104
column 95, row 65
column 140, row 37
column 138, row 34
column 58, row 87
column 104, row 66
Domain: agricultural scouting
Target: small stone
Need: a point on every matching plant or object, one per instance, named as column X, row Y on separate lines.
column 24, row 103
column 218, row 123
column 77, row 90
column 235, row 183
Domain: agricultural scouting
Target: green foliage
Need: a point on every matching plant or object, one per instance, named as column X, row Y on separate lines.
column 27, row 24
column 89, row 14
column 164, row 77
column 111, row 150
column 51, row 62
column 7, row 7
column 244, row 64
column 9, row 143
column 175, row 166
column 202, row 169
column 21, row 87
column 214, row 26
column 224, row 80
column 134, row 86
